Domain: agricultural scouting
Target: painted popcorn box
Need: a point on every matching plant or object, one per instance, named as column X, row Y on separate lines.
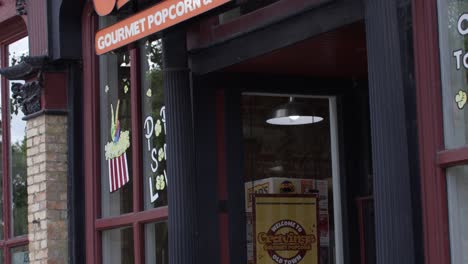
column 116, row 155
column 118, row 172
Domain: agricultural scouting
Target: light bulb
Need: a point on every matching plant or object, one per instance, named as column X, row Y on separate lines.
column 294, row 118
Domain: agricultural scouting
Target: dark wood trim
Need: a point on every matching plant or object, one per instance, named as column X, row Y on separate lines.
column 8, row 35
column 181, row 160
column 275, row 36
column 4, row 148
column 55, row 112
column 390, row 135
column 153, row 215
column 135, row 94
column 17, row 241
column 6, row 155
column 139, row 243
column 262, row 17
column 362, row 235
column 236, row 214
column 90, row 130
column 430, row 133
column 223, row 216
column 452, row 157
column 14, row 28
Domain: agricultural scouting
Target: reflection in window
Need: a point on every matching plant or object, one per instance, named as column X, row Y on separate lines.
column 156, row 248
column 19, row 255
column 282, row 159
column 17, row 51
column 116, row 161
column 154, row 126
column 454, row 69
column 457, row 190
column 117, row 246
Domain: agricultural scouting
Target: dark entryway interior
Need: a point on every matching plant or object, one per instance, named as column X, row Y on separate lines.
column 330, row 64
column 336, row 54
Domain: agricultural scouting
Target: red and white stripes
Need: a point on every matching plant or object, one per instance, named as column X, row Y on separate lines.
column 118, row 172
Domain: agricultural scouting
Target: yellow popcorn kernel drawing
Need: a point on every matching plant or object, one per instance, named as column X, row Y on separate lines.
column 461, row 99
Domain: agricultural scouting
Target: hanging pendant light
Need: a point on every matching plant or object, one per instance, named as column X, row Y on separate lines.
column 292, row 114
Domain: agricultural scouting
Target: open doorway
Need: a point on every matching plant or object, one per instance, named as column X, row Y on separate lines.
column 297, row 155
column 330, row 158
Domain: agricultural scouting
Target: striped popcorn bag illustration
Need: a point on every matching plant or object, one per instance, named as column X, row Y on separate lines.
column 116, row 155
column 118, row 172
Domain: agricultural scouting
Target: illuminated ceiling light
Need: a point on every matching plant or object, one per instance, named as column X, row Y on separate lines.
column 292, row 114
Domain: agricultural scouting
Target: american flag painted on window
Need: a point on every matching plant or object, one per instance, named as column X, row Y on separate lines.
column 118, row 172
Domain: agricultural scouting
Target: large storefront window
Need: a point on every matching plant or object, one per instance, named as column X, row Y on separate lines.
column 453, row 27
column 13, row 205
column 133, row 180
column 453, row 31
column 116, row 166
column 154, row 124
column 457, row 186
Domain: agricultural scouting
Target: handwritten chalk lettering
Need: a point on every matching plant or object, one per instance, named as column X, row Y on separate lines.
column 462, row 24
column 154, row 158
column 149, row 127
column 162, row 113
column 153, row 196
column 461, row 58
column 460, row 55
column 158, row 153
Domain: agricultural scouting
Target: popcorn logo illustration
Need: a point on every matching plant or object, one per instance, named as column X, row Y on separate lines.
column 461, row 99
column 160, row 183
column 115, row 152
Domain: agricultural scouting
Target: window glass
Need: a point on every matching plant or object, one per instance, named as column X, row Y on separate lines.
column 116, row 165
column 117, row 246
column 17, row 51
column 156, row 247
column 154, row 126
column 289, row 160
column 1, row 166
column 19, row 255
column 453, row 30
column 457, row 190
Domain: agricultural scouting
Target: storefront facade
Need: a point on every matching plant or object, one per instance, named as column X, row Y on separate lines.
column 201, row 131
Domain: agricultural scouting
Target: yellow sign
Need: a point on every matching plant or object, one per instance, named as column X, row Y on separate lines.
column 286, row 229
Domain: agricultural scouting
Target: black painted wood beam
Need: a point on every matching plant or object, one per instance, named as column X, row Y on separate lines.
column 394, row 217
column 276, row 36
column 182, row 222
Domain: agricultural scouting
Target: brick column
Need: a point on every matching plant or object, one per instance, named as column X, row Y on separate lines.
column 47, row 189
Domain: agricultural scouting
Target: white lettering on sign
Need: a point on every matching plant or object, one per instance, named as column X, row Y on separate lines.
column 161, row 16
column 123, row 33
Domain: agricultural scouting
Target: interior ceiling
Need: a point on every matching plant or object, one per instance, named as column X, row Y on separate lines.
column 338, row 53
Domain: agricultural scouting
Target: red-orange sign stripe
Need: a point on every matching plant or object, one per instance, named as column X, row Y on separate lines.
column 150, row 21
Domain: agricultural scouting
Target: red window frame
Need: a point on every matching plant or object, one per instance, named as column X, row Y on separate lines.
column 433, row 157
column 13, row 31
column 91, row 134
